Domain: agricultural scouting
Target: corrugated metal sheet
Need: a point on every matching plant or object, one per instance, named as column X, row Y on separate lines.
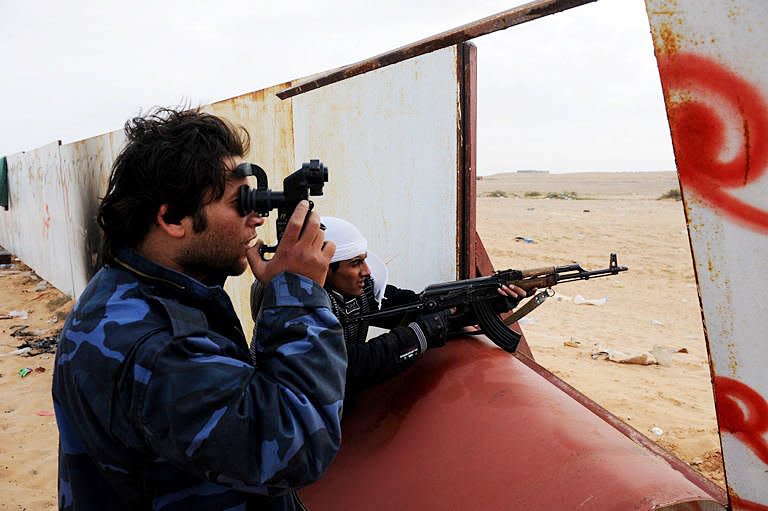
column 714, row 72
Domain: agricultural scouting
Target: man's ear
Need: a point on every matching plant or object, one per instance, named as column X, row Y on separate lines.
column 175, row 230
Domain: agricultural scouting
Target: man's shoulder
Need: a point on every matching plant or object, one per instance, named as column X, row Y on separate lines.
column 114, row 293
column 115, row 310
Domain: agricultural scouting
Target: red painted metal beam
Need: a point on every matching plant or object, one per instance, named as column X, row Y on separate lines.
column 472, row 427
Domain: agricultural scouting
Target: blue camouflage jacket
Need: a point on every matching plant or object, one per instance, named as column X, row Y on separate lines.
column 160, row 406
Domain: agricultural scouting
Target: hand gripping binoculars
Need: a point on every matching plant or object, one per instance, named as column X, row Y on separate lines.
column 298, row 186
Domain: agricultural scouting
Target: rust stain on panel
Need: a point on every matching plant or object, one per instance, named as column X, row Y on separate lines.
column 670, row 40
column 269, row 122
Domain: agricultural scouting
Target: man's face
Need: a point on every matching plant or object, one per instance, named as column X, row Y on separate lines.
column 219, row 250
column 349, row 278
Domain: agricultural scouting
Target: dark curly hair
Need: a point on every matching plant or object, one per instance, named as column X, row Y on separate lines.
column 173, row 157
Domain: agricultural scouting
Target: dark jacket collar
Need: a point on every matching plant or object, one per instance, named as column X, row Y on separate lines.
column 132, row 261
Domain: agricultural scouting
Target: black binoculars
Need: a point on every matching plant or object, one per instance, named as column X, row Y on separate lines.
column 298, row 186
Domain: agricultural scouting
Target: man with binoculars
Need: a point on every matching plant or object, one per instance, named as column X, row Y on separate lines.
column 158, row 401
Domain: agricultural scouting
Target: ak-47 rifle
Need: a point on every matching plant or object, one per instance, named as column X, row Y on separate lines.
column 473, row 301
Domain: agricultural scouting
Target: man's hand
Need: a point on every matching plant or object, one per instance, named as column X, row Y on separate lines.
column 304, row 252
column 512, row 291
column 431, row 329
column 509, row 296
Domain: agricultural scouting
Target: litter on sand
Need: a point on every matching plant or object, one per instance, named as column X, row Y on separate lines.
column 524, row 239
column 580, row 300
column 20, row 351
column 15, row 314
column 643, row 358
column 661, row 355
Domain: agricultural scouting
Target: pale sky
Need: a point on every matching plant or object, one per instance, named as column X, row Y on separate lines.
column 574, row 91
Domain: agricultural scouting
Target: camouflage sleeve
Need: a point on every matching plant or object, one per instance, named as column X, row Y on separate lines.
column 262, row 429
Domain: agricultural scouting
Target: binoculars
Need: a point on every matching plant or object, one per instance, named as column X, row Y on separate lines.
column 298, row 186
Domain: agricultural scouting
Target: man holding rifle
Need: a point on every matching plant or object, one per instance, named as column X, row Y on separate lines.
column 357, row 284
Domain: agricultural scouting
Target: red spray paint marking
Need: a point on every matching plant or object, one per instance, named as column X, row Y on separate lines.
column 698, row 132
column 739, row 504
column 46, row 222
column 743, row 412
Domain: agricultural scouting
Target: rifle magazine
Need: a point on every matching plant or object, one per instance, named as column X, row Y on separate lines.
column 494, row 328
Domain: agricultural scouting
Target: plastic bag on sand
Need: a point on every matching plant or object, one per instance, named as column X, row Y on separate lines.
column 643, row 358
column 20, row 351
column 580, row 300
column 663, row 355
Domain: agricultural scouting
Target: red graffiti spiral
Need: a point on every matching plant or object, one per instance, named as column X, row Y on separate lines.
column 699, row 132
column 743, row 412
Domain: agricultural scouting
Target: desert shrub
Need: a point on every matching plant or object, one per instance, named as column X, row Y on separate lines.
column 497, row 193
column 674, row 193
column 562, row 195
column 533, row 194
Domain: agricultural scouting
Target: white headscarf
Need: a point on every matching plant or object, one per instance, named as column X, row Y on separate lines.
column 350, row 243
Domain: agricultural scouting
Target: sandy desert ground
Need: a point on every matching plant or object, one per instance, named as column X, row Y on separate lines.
column 654, row 305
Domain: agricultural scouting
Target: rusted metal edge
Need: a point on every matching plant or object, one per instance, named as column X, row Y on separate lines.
column 466, row 222
column 694, row 477
column 500, row 21
column 484, row 267
column 483, row 263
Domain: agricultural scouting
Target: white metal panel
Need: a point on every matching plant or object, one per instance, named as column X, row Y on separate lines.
column 269, row 123
column 389, row 139
column 10, row 230
column 85, row 168
column 51, row 221
column 711, row 56
column 34, row 227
